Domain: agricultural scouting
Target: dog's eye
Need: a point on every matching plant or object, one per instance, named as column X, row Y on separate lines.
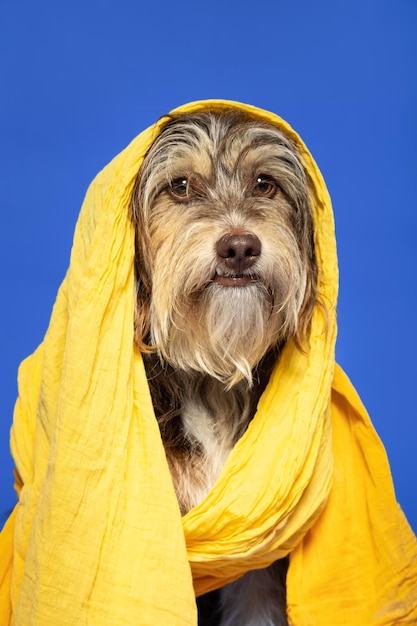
column 180, row 188
column 265, row 186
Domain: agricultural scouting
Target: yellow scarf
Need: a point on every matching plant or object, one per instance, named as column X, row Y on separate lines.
column 97, row 537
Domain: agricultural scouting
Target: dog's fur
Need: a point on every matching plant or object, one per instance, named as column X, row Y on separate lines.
column 225, row 274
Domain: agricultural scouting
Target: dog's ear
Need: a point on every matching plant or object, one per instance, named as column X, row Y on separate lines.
column 142, row 309
column 143, row 281
column 307, row 308
column 312, row 297
column 312, row 300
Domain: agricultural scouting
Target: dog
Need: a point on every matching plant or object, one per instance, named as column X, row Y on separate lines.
column 226, row 274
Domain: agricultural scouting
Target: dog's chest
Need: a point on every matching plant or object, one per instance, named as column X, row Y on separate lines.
column 213, row 420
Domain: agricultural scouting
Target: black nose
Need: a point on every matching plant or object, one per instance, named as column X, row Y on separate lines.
column 238, row 251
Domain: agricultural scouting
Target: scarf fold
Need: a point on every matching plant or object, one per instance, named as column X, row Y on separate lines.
column 97, row 536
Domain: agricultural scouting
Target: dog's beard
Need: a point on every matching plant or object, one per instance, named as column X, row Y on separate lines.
column 212, row 334
column 201, row 326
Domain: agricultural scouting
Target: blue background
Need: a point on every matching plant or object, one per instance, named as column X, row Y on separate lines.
column 80, row 79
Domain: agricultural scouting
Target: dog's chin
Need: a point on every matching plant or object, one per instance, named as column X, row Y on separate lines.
column 224, row 333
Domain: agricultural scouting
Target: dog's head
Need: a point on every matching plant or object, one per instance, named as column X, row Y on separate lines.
column 225, row 255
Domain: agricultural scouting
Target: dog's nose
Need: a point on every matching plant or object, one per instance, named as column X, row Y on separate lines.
column 239, row 251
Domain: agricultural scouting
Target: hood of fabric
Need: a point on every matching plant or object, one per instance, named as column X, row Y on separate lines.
column 98, row 537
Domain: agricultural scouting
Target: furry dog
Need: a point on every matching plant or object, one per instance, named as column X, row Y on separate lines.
column 225, row 275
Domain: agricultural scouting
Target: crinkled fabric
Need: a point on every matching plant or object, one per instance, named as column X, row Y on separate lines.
column 97, row 536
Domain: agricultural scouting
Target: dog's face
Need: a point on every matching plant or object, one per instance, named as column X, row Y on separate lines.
column 225, row 256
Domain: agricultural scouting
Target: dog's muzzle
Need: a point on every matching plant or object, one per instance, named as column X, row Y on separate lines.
column 237, row 253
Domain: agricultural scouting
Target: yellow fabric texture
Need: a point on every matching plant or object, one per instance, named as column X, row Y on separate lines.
column 97, row 537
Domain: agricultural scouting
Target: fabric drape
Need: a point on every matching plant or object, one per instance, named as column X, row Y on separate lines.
column 97, row 536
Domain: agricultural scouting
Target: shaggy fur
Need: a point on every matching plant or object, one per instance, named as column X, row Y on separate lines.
column 225, row 275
